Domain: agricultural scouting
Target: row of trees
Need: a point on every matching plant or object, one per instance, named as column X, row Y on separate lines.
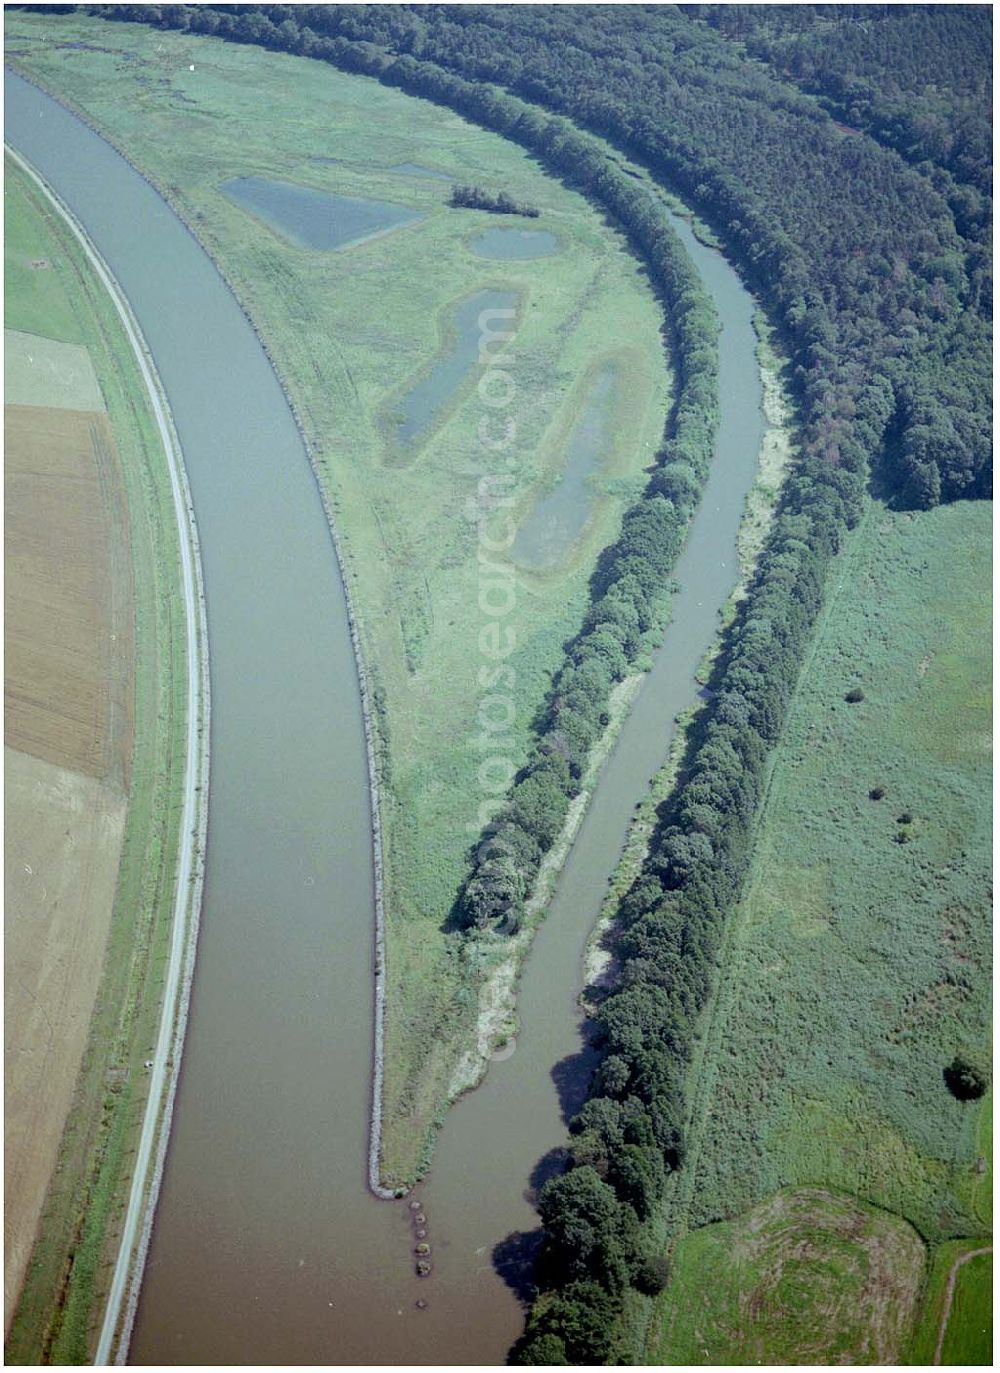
column 494, row 202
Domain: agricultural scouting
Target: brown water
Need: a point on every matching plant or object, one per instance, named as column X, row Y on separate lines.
column 267, row 1246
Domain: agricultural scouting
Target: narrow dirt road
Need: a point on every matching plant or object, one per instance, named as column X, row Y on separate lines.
column 950, row 1295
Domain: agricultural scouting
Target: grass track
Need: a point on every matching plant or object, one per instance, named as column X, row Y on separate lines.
column 968, row 1335
column 348, row 333
column 70, row 1266
column 933, row 1329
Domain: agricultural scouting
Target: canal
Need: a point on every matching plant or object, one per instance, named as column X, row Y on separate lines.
column 267, row 1246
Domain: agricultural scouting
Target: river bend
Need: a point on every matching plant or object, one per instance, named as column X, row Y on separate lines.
column 267, row 1246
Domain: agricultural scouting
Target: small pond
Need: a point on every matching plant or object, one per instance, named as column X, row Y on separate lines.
column 554, row 525
column 316, row 219
column 508, row 244
column 417, row 411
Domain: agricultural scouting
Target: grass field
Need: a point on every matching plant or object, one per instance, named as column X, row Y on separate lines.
column 806, row 1277
column 351, row 333
column 91, row 572
column 858, row 964
column 860, row 959
column 968, row 1336
column 962, row 1331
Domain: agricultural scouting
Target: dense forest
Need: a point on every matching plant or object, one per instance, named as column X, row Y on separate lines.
column 876, row 271
column 912, row 76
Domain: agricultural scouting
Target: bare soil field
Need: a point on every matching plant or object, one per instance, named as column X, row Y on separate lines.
column 68, row 730
column 62, row 845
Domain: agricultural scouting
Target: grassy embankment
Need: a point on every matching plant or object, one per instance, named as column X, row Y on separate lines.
column 857, row 964
column 70, row 1266
column 350, row 333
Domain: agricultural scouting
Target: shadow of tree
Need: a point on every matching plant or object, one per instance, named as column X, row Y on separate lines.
column 550, row 1165
column 514, row 1259
column 572, row 1075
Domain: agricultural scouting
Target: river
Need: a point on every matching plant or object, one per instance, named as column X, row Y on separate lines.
column 267, row 1247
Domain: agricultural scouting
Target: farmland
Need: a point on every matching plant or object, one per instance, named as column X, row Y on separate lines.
column 90, row 724
column 352, row 333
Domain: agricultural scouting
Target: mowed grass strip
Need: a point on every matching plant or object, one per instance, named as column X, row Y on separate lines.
column 66, row 1278
column 806, row 1277
column 352, row 332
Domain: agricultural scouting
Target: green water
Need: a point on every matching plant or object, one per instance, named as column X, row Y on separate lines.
column 553, row 526
column 416, row 413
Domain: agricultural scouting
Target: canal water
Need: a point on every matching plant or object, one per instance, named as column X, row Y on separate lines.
column 267, row 1246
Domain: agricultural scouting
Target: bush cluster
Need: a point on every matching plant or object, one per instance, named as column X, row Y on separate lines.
column 494, row 202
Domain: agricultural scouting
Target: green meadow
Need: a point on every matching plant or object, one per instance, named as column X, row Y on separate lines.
column 858, row 963
column 806, row 1277
column 968, row 1336
column 351, row 332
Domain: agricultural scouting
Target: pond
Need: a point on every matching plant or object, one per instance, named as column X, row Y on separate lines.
column 554, row 525
column 422, row 406
column 510, row 244
column 316, row 219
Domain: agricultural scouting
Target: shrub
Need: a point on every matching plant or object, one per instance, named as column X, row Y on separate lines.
column 854, row 696
column 966, row 1081
column 652, row 1275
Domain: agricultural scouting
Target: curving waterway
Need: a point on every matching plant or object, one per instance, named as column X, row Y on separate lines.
column 267, row 1246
